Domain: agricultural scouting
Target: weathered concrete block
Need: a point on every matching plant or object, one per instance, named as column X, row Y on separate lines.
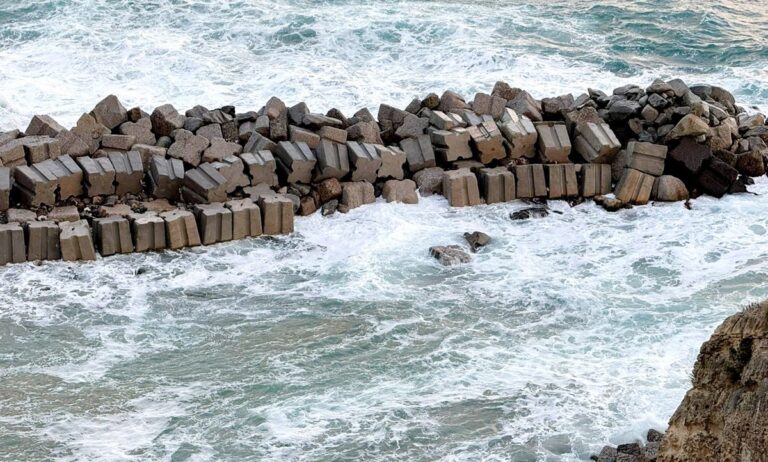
column 446, row 121
column 596, row 142
column 261, row 167
column 43, row 125
column 165, row 120
column 472, row 118
column 258, row 142
column 595, row 180
column 221, row 149
column 302, row 135
column 563, row 181
column 246, row 218
column 180, row 229
column 112, row 235
column 109, row 112
column 166, row 177
column 36, row 185
column 668, row 188
column 129, row 171
column 419, row 153
column 634, row 187
column 530, row 181
column 276, row 214
column 188, row 147
column 497, row 185
column 520, row 133
column 42, row 240
column 148, row 230
column 211, row 132
column 21, row 216
column 365, row 160
column 72, row 145
column 451, row 145
column 400, row 191
column 120, row 142
column 76, row 241
column 295, row 162
column 356, row 194
column 233, row 170
column 141, row 130
column 99, row 174
column 6, row 183
column 392, row 161
column 90, row 132
column 203, row 185
column 332, row 161
column 554, row 143
column 12, row 249
column 40, row 148
column 489, row 105
column 65, row 213
column 148, row 152
column 12, row 153
column 69, row 176
column 460, row 188
column 646, row 157
column 487, row 141
column 214, row 223
column 429, row 181
column 334, row 134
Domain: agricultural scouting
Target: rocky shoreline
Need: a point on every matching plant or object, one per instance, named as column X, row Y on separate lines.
column 124, row 180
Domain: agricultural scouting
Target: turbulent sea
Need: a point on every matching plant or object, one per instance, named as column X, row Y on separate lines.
column 347, row 341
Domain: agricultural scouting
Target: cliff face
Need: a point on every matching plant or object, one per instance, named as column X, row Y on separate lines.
column 724, row 417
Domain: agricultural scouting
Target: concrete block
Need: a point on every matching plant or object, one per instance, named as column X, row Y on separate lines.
column 334, row 134
column 165, row 119
column 12, row 249
column 487, row 141
column 332, row 161
column 72, row 145
column 147, row 152
column 99, row 174
column 214, row 223
column 180, row 229
column 634, row 187
column 211, row 132
column 356, row 194
column 530, row 180
column 68, row 174
column 188, row 147
column 295, row 162
column 246, row 218
column 460, row 188
column 302, row 135
column 400, row 191
column 40, row 148
column 119, row 142
column 141, row 130
column 6, row 183
column 129, row 171
column 419, row 153
column 112, row 235
column 472, row 118
column 20, row 216
column 595, row 180
column 65, row 213
column 258, row 142
column 276, row 214
column 520, row 134
column 446, row 121
column 43, row 125
column 261, row 167
column 42, row 240
column 596, row 142
column 554, row 143
column 76, row 241
column 109, row 112
column 221, row 149
column 486, row 104
column 90, row 132
column 12, row 153
column 392, row 161
column 497, row 185
column 203, row 185
column 365, row 161
column 166, row 177
column 233, row 170
column 36, row 185
column 562, row 181
column 148, row 230
column 646, row 157
column 451, row 145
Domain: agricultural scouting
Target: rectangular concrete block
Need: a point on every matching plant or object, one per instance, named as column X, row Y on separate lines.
column 12, row 248
column 337, row 135
column 520, row 134
column 6, row 183
column 419, row 153
column 473, row 119
column 562, row 181
column 497, row 185
column 42, row 240
column 276, row 214
column 12, row 153
column 40, row 148
column 634, row 187
column 68, row 174
column 364, row 160
column 530, row 181
column 302, row 135
column 392, row 161
column 233, row 171
column 487, row 142
column 36, row 184
column 112, row 235
column 460, row 188
column 596, row 142
column 214, row 223
column 554, row 143
column 246, row 218
column 99, row 174
column 180, row 229
column 129, row 171
column 356, row 194
column 295, row 162
column 646, row 157
column 64, row 213
column 76, row 241
column 451, row 145
column 166, row 177
column 203, row 185
column 261, row 167
column 148, row 231
column 120, row 142
column 332, row 161
column 595, row 179
column 446, row 121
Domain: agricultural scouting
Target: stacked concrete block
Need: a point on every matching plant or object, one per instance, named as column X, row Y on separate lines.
column 221, row 149
column 76, row 241
column 12, row 249
column 6, row 184
column 129, row 171
column 68, row 174
column 188, row 147
column 258, row 142
column 520, row 133
column 392, row 161
column 42, row 240
column 460, row 188
column 554, row 143
column 646, row 157
column 214, row 223
column 497, row 185
column 634, row 187
column 356, row 194
column 109, row 112
column 489, row 105
column 141, row 130
column 203, row 185
column 276, row 214
column 99, row 174
column 246, row 218
column 148, row 230
column 40, row 148
column 36, row 185
column 166, row 177
column 487, row 142
column 595, row 180
column 302, row 135
column 562, row 181
column 12, row 154
column 112, row 235
column 119, row 142
column 20, row 216
column 147, row 152
column 261, row 167
column 295, row 162
column 472, row 118
column 451, row 145
column 65, row 213
column 596, row 142
column 180, row 229
column 531, row 181
column 332, row 161
column 334, row 134
column 43, row 125
column 90, row 132
column 365, row 161
column 400, row 191
column 232, row 169
column 419, row 152
column 446, row 121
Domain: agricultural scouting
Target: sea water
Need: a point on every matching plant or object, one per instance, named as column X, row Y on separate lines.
column 346, row 341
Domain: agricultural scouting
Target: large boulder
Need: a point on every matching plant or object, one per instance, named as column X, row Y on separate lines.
column 668, row 188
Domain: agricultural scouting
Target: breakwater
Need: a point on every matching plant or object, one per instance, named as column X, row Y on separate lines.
column 124, row 180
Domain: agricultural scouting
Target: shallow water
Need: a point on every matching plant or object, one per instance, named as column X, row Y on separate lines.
column 347, row 341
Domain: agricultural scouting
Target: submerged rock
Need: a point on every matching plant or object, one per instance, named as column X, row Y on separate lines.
column 450, row 255
column 530, row 212
column 477, row 239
